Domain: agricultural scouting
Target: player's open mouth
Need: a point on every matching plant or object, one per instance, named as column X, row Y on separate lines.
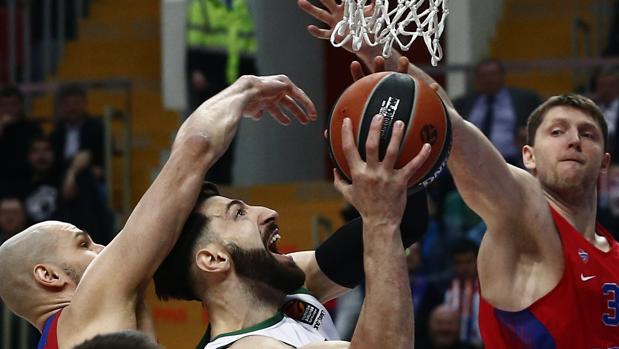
column 272, row 246
column 272, row 236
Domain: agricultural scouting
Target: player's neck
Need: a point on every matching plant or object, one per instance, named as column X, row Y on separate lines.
column 44, row 311
column 581, row 214
column 233, row 308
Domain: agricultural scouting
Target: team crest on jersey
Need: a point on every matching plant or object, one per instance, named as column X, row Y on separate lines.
column 304, row 312
column 584, row 256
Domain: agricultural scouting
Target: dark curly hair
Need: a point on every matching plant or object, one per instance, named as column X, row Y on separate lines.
column 173, row 278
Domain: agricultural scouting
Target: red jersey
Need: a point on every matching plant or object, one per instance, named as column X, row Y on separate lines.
column 581, row 312
column 49, row 337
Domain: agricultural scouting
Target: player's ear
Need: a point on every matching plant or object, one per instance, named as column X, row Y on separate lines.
column 49, row 276
column 213, row 258
column 605, row 163
column 528, row 158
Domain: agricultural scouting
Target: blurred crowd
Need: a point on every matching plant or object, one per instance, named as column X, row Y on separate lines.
column 55, row 175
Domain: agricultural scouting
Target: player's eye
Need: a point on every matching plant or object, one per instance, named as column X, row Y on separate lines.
column 240, row 212
column 587, row 135
column 556, row 132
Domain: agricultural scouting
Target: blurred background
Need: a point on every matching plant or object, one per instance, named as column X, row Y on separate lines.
column 93, row 92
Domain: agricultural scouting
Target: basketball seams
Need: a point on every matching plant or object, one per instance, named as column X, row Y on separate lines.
column 430, row 125
column 364, row 125
column 427, row 105
column 411, row 117
column 336, row 119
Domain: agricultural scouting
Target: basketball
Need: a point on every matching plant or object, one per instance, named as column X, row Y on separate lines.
column 396, row 96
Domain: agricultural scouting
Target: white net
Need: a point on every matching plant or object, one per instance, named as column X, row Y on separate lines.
column 377, row 24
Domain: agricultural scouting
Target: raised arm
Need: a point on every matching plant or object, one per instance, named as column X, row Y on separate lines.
column 112, row 281
column 378, row 192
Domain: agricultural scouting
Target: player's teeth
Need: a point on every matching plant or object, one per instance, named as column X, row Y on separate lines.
column 275, row 238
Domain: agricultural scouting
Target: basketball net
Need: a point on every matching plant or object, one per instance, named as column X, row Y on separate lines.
column 381, row 26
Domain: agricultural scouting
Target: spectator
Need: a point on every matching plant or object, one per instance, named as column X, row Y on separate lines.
column 76, row 130
column 40, row 189
column 16, row 133
column 444, row 330
column 82, row 203
column 12, row 217
column 459, row 291
column 77, row 141
column 500, row 112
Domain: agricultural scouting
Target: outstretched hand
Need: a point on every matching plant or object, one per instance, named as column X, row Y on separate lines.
column 378, row 190
column 275, row 95
column 329, row 16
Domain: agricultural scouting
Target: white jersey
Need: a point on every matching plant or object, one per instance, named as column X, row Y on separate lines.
column 302, row 320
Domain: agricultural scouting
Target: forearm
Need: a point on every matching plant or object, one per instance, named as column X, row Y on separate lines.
column 217, row 119
column 153, row 227
column 340, row 257
column 384, row 262
column 486, row 182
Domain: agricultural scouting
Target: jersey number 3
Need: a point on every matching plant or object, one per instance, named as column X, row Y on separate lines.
column 611, row 292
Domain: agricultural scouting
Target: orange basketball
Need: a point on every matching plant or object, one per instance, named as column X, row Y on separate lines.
column 396, row 96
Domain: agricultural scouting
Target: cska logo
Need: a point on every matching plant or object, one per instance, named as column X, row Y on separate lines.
column 584, row 256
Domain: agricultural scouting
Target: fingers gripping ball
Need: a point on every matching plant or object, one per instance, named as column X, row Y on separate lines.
column 396, row 96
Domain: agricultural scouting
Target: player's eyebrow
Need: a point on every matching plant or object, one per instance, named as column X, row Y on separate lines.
column 232, row 204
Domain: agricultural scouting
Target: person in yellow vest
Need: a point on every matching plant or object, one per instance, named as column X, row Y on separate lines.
column 221, row 46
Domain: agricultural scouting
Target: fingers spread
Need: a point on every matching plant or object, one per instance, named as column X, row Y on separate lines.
column 373, row 141
column 393, row 149
column 415, row 164
column 356, row 70
column 348, row 145
column 379, row 64
column 278, row 115
column 307, row 104
column 289, row 104
column 403, row 64
column 319, row 33
column 330, row 5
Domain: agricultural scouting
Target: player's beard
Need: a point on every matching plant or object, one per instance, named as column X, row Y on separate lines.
column 72, row 272
column 259, row 265
column 570, row 186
